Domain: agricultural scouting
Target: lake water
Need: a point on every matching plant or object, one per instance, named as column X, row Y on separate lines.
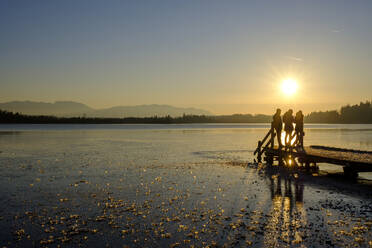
column 159, row 185
column 143, row 144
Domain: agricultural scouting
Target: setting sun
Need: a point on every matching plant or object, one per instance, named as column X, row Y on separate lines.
column 289, row 86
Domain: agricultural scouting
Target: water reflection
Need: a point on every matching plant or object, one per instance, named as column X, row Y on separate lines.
column 293, row 188
column 287, row 213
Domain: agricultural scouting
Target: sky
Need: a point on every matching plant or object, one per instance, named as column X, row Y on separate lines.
column 223, row 56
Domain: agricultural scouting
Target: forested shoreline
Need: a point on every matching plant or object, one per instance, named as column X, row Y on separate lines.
column 359, row 113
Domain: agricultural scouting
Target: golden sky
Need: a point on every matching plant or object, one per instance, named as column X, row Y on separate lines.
column 224, row 56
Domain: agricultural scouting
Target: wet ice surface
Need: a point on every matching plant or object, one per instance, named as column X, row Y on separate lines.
column 169, row 188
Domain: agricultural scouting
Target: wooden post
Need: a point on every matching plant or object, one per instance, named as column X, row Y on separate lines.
column 280, row 158
column 350, row 173
column 269, row 159
column 259, row 151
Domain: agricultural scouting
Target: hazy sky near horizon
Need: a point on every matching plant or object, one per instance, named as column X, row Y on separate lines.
column 223, row 56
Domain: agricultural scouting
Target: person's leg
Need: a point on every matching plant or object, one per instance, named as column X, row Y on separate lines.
column 290, row 137
column 297, row 138
column 293, row 135
column 286, row 137
column 279, row 136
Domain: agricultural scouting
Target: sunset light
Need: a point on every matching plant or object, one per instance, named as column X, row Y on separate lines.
column 289, row 86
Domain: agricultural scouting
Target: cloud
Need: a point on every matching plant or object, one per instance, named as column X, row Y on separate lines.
column 295, row 58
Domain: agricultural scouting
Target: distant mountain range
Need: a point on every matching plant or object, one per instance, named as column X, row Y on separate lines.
column 70, row 109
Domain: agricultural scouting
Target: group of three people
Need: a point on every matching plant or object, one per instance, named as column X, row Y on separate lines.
column 289, row 120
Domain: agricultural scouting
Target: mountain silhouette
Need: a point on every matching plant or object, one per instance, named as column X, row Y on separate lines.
column 69, row 109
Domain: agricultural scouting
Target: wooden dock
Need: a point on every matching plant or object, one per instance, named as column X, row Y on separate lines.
column 353, row 161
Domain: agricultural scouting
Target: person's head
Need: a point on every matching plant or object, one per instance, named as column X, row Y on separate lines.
column 278, row 111
column 290, row 111
column 299, row 112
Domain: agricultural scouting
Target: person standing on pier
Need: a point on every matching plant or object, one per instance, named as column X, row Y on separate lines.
column 288, row 127
column 299, row 129
column 277, row 125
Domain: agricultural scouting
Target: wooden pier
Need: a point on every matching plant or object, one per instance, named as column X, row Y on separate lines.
column 353, row 161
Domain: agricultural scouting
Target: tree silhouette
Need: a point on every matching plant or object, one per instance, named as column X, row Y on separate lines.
column 361, row 113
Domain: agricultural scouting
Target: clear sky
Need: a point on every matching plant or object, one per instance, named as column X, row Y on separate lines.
column 223, row 56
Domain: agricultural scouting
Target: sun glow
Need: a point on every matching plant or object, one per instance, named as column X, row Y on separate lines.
column 289, row 86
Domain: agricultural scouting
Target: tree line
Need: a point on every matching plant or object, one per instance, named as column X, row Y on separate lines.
column 361, row 113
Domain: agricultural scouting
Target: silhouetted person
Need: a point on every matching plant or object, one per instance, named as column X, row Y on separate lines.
column 288, row 126
column 277, row 125
column 299, row 129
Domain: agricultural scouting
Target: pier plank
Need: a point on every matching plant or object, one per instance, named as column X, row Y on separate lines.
column 355, row 160
column 344, row 155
